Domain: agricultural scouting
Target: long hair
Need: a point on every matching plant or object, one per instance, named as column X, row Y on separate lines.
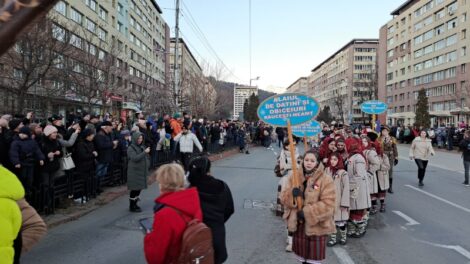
column 324, row 148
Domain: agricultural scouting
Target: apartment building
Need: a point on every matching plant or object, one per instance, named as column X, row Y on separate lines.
column 346, row 79
column 299, row 86
column 425, row 47
column 120, row 42
column 240, row 94
column 196, row 94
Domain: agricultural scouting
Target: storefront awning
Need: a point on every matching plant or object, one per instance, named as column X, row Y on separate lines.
column 441, row 113
column 402, row 115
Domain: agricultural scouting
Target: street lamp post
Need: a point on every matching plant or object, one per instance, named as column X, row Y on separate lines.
column 254, row 79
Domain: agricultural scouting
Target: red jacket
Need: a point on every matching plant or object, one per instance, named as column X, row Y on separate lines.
column 163, row 244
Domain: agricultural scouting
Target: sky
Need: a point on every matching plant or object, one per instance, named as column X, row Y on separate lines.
column 288, row 38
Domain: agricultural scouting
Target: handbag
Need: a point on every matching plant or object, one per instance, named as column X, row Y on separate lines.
column 66, row 162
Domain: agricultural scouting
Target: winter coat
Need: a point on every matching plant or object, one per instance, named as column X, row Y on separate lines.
column 215, row 134
column 285, row 161
column 83, row 156
column 175, row 127
column 383, row 173
column 25, row 152
column 162, row 138
column 104, row 147
column 318, row 205
column 33, row 227
column 421, row 149
column 373, row 165
column 389, row 147
column 11, row 191
column 341, row 180
column 187, row 142
column 358, row 183
column 47, row 146
column 163, row 244
column 465, row 148
column 217, row 207
column 138, row 165
column 280, row 132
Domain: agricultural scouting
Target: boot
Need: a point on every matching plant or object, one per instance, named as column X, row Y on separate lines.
column 289, row 244
column 382, row 207
column 390, row 189
column 332, row 241
column 342, row 235
column 137, row 207
column 360, row 231
column 133, row 205
column 351, row 229
column 373, row 209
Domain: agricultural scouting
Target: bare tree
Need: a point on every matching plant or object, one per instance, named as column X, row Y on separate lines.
column 366, row 89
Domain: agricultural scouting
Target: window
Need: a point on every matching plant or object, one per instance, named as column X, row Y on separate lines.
column 418, row 26
column 17, row 73
column 418, row 53
column 132, row 38
column 428, row 35
column 452, row 40
column 90, row 25
column 61, row 8
column 131, row 70
column 102, row 34
column 92, row 49
column 440, row 14
column 452, row 23
column 439, row 60
column 419, row 39
column 438, row 2
column 427, row 21
column 58, row 32
column 464, row 17
column 428, row 49
column 76, row 41
column 76, row 16
column 389, row 76
column 463, row 68
column 463, row 51
column 452, row 8
column 451, row 72
column 440, row 29
column 91, row 4
column 418, row 67
column 119, row 8
column 103, row 14
column 132, row 21
column 440, row 45
column 464, row 33
column 390, row 53
column 101, row 55
column 428, row 64
column 120, row 27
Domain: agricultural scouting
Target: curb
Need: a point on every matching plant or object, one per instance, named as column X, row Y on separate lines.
column 107, row 197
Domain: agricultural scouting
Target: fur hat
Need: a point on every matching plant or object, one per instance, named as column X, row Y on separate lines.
column 13, row 124
column 48, row 130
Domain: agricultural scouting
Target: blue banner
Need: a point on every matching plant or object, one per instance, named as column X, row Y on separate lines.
column 374, row 107
column 307, row 129
column 298, row 108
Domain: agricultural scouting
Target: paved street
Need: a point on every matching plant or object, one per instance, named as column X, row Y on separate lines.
column 427, row 225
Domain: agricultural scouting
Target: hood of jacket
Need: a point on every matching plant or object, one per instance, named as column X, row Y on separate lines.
column 135, row 136
column 187, row 201
column 10, row 186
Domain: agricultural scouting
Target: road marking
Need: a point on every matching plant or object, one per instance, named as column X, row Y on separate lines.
column 342, row 255
column 410, row 220
column 462, row 251
column 440, row 199
column 433, row 165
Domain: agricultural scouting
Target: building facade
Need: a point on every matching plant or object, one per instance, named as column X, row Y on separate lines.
column 115, row 57
column 240, row 94
column 196, row 94
column 299, row 86
column 346, row 79
column 425, row 47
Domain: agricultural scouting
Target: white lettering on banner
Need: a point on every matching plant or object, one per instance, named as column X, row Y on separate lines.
column 288, row 115
column 286, row 98
column 287, row 110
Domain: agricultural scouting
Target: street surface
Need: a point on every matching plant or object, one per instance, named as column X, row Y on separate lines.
column 428, row 225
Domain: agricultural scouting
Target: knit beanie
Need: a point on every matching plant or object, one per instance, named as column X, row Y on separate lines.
column 87, row 132
column 49, row 130
column 25, row 130
column 13, row 124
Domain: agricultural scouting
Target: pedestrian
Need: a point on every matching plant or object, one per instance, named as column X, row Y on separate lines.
column 389, row 146
column 420, row 150
column 187, row 140
column 10, row 217
column 465, row 148
column 84, row 157
column 173, row 209
column 359, row 190
column 340, row 177
column 312, row 224
column 216, row 203
column 372, row 166
column 104, row 145
column 52, row 149
column 383, row 181
column 137, row 169
column 280, row 135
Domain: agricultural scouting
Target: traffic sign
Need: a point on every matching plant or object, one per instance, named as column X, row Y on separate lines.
column 374, row 107
column 297, row 108
column 307, row 129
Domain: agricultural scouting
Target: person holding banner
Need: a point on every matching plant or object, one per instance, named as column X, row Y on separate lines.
column 359, row 190
column 312, row 224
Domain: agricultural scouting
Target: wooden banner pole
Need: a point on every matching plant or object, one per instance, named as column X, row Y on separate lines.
column 305, row 143
column 295, row 176
column 373, row 122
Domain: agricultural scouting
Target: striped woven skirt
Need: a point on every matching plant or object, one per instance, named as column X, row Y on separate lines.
column 309, row 247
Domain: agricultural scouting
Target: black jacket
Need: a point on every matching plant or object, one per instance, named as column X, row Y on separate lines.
column 104, row 147
column 83, row 155
column 280, row 132
column 217, row 207
column 215, row 134
column 25, row 152
column 465, row 148
column 48, row 146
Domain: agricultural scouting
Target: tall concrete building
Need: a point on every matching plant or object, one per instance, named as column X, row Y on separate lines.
column 240, row 94
column 195, row 93
column 425, row 46
column 299, row 86
column 122, row 42
column 346, row 79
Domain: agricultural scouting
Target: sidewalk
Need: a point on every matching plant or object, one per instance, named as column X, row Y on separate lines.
column 77, row 210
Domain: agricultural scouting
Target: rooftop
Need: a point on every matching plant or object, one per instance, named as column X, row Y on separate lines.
column 401, row 7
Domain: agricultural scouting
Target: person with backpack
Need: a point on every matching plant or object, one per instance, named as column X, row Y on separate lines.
column 465, row 148
column 216, row 203
column 177, row 211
